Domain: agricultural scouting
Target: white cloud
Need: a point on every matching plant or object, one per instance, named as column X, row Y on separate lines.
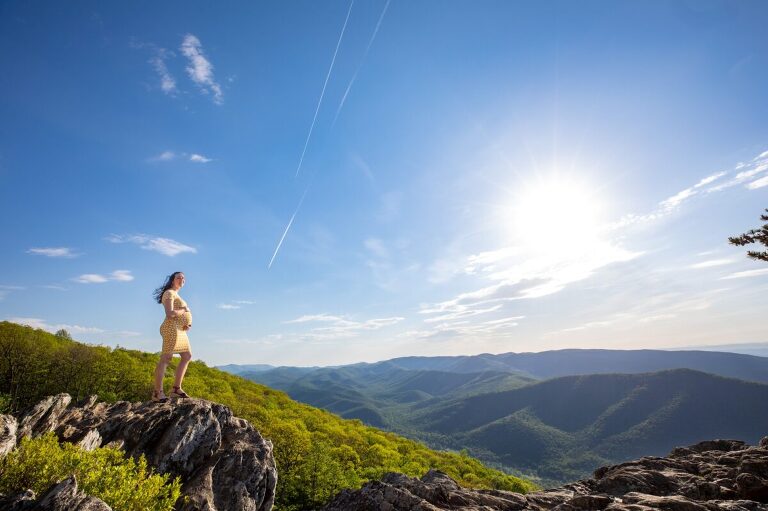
column 165, row 246
column 95, row 278
column 677, row 199
column 199, row 158
column 172, row 155
column 53, row 252
column 227, row 306
column 91, row 278
column 43, row 325
column 712, row 262
column 709, row 179
column 757, row 166
column 758, row 183
column 121, row 276
column 200, row 69
column 747, row 274
column 337, row 327
column 164, row 156
column 167, row 82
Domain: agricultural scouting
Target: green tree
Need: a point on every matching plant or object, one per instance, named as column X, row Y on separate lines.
column 121, row 482
column 754, row 236
column 63, row 334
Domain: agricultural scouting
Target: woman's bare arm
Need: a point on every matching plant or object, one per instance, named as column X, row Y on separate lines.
column 169, row 312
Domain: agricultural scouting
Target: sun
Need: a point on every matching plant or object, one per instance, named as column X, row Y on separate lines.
column 556, row 214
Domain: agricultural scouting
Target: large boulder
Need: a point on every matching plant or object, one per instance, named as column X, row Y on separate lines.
column 63, row 496
column 718, row 475
column 223, row 462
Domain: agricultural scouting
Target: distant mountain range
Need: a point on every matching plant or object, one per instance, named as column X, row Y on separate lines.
column 555, row 414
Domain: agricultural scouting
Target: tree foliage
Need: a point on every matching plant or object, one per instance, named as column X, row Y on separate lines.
column 123, row 483
column 754, row 236
column 317, row 453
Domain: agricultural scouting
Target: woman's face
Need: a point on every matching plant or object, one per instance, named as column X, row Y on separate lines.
column 178, row 281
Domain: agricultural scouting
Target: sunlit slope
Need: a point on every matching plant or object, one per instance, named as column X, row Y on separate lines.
column 317, row 452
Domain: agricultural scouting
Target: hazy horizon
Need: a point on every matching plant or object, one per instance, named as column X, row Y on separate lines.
column 349, row 181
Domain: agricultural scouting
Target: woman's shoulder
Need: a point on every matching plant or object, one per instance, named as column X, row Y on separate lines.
column 169, row 293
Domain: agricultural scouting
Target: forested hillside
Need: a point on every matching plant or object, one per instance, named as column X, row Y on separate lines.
column 317, row 452
column 565, row 427
column 380, row 394
column 559, row 429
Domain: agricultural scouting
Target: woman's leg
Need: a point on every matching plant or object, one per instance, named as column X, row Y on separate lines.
column 181, row 369
column 162, row 364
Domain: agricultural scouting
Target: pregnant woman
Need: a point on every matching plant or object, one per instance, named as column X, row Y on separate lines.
column 178, row 319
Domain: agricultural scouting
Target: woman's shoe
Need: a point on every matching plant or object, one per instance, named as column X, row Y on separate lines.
column 177, row 392
column 158, row 396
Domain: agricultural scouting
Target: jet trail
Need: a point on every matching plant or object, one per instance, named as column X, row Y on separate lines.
column 312, row 126
column 367, row 48
column 287, row 228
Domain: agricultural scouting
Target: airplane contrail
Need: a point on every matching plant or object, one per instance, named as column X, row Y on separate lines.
column 367, row 48
column 312, row 126
column 287, row 227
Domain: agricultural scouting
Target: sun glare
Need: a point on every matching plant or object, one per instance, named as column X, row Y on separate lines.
column 556, row 214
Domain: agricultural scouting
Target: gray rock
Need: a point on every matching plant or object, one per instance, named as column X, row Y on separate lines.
column 718, row 475
column 223, row 462
column 18, row 502
column 8, row 428
column 65, row 496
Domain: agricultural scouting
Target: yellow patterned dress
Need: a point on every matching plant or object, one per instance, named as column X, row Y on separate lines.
column 175, row 338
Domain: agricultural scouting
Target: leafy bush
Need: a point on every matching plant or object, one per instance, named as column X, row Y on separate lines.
column 123, row 483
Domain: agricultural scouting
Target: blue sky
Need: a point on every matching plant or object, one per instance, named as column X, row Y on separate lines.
column 476, row 176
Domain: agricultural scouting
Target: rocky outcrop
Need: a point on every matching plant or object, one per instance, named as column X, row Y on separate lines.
column 63, row 496
column 223, row 462
column 718, row 475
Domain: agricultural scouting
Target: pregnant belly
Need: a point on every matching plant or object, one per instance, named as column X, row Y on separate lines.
column 184, row 320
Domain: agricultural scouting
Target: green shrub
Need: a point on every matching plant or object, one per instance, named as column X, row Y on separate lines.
column 123, row 483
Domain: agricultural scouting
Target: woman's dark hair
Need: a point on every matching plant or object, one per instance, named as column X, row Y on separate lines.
column 158, row 294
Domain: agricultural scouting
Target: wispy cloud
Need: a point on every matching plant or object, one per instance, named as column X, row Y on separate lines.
column 747, row 274
column 53, row 252
column 758, row 183
column 44, row 325
column 173, row 155
column 199, row 158
column 165, row 246
column 167, row 82
column 227, row 306
column 96, row 278
column 200, row 69
column 744, row 174
column 711, row 263
column 164, row 156
column 337, row 327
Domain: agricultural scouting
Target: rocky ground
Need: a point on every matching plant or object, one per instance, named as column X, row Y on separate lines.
column 223, row 462
column 719, row 475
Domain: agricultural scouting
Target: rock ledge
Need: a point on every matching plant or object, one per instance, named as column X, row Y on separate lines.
column 717, row 475
column 223, row 462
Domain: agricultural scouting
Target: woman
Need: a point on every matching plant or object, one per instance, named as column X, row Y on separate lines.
column 178, row 319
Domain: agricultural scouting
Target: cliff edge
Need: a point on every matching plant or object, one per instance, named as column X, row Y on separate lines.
column 223, row 462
